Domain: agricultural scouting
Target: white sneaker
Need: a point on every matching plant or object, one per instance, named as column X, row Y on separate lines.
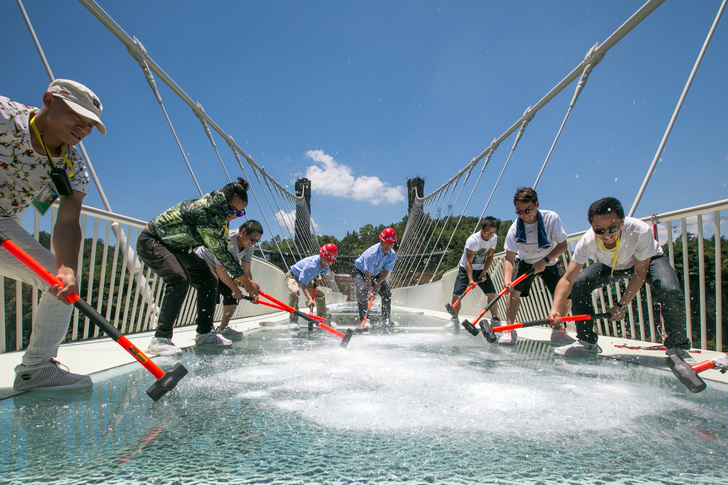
column 293, row 326
column 211, row 339
column 367, row 325
column 580, row 347
column 560, row 337
column 390, row 323
column 48, row 376
column 453, row 324
column 508, row 337
column 163, row 346
column 230, row 333
column 721, row 363
column 683, row 354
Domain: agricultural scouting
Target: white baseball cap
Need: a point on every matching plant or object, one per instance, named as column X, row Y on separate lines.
column 80, row 99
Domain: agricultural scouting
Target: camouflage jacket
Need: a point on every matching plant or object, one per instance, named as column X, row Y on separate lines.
column 199, row 222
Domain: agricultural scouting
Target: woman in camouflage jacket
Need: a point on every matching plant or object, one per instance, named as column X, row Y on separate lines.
column 166, row 245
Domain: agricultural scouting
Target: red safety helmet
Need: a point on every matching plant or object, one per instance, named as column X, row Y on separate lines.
column 388, row 236
column 329, row 252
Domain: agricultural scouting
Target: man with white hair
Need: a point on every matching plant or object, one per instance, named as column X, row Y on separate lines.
column 39, row 164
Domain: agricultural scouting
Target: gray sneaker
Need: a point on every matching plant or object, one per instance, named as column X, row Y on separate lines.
column 163, row 346
column 230, row 333
column 48, row 376
column 560, row 337
column 211, row 339
column 453, row 324
column 721, row 363
column 293, row 326
column 683, row 354
column 580, row 347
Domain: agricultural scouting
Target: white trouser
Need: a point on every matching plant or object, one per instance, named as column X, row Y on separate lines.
column 50, row 324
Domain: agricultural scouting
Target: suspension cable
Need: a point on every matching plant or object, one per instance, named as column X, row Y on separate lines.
column 444, row 225
column 462, row 186
column 257, row 202
column 140, row 54
column 579, row 87
column 513, row 149
column 677, row 109
column 200, row 115
column 133, row 265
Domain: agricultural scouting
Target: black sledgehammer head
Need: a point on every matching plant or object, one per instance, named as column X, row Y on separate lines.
column 470, row 327
column 347, row 337
column 488, row 332
column 167, row 382
column 450, row 310
column 685, row 374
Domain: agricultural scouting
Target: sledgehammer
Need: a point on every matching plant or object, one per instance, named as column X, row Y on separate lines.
column 470, row 327
column 490, row 334
column 166, row 381
column 689, row 375
column 450, row 306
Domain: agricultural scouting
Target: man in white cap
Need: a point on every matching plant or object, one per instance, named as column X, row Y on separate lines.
column 39, row 164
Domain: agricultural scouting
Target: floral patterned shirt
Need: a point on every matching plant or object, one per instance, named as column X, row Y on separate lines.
column 23, row 172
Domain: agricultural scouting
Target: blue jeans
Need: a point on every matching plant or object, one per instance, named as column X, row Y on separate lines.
column 665, row 285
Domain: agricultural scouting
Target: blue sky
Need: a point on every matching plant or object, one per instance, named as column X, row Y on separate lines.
column 363, row 95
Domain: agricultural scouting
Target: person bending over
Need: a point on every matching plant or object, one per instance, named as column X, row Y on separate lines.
column 166, row 245
column 242, row 243
column 302, row 276
column 474, row 265
column 39, row 164
column 622, row 248
column 370, row 275
column 534, row 242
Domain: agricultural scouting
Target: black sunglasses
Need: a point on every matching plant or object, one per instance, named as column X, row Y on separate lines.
column 610, row 230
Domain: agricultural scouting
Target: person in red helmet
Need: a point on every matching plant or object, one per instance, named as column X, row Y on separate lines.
column 370, row 274
column 304, row 275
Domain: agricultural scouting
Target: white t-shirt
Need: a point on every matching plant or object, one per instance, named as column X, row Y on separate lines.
column 529, row 251
column 480, row 247
column 23, row 172
column 246, row 254
column 635, row 242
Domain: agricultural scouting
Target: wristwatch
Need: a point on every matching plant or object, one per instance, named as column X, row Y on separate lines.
column 546, row 258
column 624, row 308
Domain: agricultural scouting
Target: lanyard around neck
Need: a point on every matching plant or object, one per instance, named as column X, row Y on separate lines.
column 64, row 149
column 616, row 249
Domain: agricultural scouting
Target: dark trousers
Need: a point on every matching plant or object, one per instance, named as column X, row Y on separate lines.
column 665, row 285
column 362, row 298
column 179, row 270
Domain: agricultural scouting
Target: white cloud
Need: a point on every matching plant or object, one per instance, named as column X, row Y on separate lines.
column 329, row 177
column 287, row 221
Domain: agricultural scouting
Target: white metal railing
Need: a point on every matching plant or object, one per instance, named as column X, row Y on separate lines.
column 703, row 307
